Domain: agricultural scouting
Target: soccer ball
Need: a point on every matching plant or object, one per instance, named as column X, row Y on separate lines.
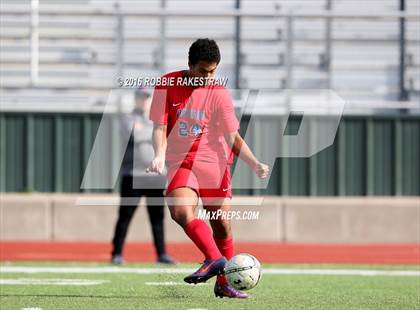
column 243, row 271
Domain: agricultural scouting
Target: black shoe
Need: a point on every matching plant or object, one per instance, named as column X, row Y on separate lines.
column 209, row 269
column 166, row 259
column 225, row 290
column 117, row 259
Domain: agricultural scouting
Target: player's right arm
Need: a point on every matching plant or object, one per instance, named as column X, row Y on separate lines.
column 159, row 142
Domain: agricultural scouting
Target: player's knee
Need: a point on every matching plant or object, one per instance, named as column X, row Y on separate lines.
column 222, row 230
column 178, row 216
column 222, row 234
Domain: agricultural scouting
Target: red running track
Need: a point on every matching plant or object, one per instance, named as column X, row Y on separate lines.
column 186, row 252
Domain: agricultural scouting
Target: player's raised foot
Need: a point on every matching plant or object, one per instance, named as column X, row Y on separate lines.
column 225, row 290
column 209, row 269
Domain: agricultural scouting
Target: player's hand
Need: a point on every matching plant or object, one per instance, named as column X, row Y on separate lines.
column 261, row 170
column 157, row 165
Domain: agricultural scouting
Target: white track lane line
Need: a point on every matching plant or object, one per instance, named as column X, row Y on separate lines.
column 277, row 271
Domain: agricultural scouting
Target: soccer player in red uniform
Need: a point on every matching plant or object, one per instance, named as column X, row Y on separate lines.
column 195, row 135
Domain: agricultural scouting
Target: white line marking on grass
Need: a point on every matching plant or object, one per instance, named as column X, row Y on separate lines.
column 344, row 272
column 30, row 281
column 280, row 271
column 170, row 283
column 15, row 269
column 31, row 308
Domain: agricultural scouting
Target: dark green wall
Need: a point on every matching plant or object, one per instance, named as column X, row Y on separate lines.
column 371, row 155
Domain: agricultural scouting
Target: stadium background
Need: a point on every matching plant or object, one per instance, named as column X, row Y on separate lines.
column 58, row 63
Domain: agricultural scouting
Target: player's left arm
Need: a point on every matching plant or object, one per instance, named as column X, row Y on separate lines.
column 229, row 126
column 242, row 150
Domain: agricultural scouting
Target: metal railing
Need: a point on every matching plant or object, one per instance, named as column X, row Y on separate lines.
column 119, row 14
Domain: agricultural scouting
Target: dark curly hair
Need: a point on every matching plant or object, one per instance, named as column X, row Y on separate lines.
column 205, row 50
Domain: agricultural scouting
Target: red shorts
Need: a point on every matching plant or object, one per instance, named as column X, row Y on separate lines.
column 209, row 180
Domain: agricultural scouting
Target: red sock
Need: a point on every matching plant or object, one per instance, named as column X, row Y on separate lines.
column 201, row 235
column 225, row 247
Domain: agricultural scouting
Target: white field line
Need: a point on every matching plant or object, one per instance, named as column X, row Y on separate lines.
column 30, row 281
column 277, row 271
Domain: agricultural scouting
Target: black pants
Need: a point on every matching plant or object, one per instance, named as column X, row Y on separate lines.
column 126, row 212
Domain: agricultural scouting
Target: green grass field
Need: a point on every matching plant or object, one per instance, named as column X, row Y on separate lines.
column 130, row 290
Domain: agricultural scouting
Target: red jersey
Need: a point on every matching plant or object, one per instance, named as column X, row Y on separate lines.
column 196, row 119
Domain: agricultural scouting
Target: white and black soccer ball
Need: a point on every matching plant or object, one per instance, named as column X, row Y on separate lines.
column 243, row 271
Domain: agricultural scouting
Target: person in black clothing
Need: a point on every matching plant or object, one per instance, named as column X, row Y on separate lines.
column 137, row 183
